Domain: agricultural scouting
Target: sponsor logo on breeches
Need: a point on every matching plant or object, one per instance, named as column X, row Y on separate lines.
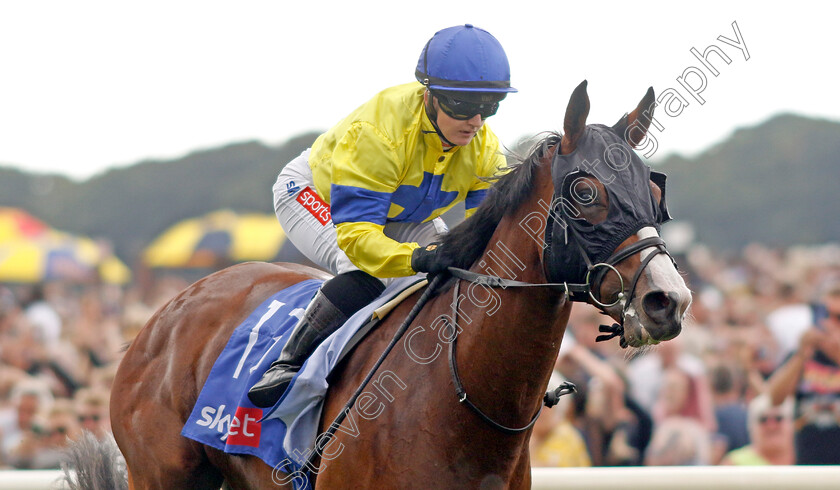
column 315, row 205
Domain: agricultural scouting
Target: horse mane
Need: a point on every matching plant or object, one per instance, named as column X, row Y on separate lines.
column 466, row 242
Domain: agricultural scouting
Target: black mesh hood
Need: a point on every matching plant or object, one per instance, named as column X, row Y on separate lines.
column 604, row 155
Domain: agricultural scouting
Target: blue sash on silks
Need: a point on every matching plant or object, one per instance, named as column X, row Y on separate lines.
column 284, row 435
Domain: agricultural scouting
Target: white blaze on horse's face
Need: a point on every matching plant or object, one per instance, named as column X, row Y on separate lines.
column 660, row 304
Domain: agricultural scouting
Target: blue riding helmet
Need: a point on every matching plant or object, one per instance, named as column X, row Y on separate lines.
column 465, row 59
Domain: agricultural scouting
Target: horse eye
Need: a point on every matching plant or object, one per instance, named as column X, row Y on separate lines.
column 583, row 192
column 583, row 196
column 587, row 199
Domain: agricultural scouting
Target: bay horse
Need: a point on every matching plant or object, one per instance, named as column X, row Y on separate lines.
column 415, row 431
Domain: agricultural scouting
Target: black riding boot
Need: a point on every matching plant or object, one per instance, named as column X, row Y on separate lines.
column 320, row 319
column 336, row 301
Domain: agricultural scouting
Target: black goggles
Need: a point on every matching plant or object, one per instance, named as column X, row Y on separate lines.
column 463, row 110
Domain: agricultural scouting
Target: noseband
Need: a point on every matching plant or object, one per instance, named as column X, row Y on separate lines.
column 575, row 292
column 595, row 274
column 589, row 290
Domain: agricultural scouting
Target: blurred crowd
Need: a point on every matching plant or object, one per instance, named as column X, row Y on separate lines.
column 60, row 345
column 752, row 379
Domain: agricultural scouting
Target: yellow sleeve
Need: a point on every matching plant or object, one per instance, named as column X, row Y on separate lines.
column 371, row 251
column 365, row 172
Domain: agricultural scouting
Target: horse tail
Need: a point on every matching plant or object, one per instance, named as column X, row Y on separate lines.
column 92, row 464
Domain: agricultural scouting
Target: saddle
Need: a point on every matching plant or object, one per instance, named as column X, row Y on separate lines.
column 378, row 315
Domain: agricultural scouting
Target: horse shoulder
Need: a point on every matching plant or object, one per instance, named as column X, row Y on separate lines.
column 385, row 425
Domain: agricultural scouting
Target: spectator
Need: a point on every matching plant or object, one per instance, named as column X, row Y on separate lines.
column 646, row 376
column 771, row 432
column 787, row 324
column 92, row 411
column 758, row 358
column 730, row 411
column 555, row 441
column 679, row 441
column 684, row 391
column 615, row 427
column 812, row 374
column 9, row 309
column 43, row 446
column 43, row 317
column 29, row 397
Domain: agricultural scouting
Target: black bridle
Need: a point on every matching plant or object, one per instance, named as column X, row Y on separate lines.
column 586, row 292
column 575, row 292
column 589, row 291
column 557, row 253
column 597, row 272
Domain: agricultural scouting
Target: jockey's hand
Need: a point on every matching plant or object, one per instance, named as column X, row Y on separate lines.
column 430, row 259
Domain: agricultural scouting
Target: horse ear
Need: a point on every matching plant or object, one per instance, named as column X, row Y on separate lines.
column 634, row 126
column 575, row 121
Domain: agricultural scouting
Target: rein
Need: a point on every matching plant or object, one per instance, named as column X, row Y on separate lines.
column 549, row 400
column 424, row 298
column 575, row 292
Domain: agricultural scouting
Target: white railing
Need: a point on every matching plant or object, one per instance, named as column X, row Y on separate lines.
column 649, row 478
column 30, row 479
column 688, row 477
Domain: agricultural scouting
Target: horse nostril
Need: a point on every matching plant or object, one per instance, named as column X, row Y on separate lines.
column 660, row 306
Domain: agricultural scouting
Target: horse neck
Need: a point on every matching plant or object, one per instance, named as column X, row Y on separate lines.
column 514, row 333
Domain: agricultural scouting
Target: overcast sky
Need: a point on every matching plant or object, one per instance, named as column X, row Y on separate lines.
column 89, row 85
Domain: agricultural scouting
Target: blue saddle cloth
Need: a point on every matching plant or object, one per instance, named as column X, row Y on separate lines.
column 284, row 435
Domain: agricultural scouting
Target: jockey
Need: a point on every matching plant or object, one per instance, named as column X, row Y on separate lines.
column 365, row 201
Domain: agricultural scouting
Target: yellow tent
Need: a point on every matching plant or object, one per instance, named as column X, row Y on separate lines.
column 217, row 239
column 31, row 251
column 59, row 256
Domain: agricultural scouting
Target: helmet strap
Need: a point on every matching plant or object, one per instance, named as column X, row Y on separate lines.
column 432, row 112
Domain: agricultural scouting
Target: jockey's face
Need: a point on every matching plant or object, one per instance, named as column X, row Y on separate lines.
column 458, row 132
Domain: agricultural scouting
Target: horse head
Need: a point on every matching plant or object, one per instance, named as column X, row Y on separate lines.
column 607, row 209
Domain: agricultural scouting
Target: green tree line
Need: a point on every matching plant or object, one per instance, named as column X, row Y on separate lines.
column 777, row 183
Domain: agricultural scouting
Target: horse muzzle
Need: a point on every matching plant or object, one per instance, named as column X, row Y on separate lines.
column 656, row 317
